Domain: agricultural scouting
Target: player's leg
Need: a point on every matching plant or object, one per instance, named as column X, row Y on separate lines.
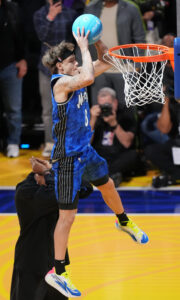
column 67, row 185
column 113, row 200
column 111, row 197
column 98, row 173
column 61, row 234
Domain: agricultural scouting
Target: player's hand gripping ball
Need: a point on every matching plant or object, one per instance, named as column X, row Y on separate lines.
column 89, row 22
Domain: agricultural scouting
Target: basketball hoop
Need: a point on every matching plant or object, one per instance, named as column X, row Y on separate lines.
column 142, row 71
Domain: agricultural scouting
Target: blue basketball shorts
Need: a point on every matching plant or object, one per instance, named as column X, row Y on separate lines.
column 68, row 172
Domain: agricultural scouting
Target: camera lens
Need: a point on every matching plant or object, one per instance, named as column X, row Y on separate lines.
column 106, row 109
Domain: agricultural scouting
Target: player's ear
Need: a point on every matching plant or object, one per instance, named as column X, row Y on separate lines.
column 59, row 66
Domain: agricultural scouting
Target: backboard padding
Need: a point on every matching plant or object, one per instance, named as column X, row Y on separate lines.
column 177, row 68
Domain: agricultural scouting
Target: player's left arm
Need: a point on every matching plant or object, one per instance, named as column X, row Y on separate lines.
column 100, row 65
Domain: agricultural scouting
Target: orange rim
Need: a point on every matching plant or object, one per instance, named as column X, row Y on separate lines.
column 167, row 53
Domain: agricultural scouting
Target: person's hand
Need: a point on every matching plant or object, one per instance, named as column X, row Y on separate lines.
column 95, row 111
column 39, row 179
column 43, row 161
column 22, row 68
column 111, row 119
column 54, row 10
column 39, row 166
column 81, row 38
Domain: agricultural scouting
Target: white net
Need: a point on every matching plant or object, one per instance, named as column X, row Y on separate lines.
column 143, row 80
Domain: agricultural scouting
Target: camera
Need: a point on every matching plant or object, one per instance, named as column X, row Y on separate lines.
column 106, row 110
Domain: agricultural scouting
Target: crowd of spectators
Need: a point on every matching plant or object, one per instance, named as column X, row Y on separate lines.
column 129, row 138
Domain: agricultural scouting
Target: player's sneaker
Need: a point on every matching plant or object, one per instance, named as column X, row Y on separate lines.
column 134, row 231
column 62, row 283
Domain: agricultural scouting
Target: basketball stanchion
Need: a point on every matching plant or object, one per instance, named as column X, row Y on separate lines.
column 142, row 71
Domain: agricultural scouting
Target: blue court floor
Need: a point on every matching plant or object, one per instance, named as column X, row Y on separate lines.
column 134, row 201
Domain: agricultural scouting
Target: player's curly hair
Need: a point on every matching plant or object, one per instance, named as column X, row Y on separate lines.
column 55, row 54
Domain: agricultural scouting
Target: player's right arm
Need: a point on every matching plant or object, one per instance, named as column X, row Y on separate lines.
column 100, row 65
column 84, row 76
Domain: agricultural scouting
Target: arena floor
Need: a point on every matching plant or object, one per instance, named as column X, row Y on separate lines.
column 108, row 264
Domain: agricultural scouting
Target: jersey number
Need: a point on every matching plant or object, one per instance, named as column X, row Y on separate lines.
column 86, row 118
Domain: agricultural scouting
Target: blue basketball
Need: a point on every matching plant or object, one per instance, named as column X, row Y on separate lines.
column 90, row 22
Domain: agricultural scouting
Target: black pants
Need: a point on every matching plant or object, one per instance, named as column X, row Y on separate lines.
column 34, row 257
column 161, row 156
column 31, row 286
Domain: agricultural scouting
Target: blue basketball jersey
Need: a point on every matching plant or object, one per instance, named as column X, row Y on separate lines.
column 71, row 123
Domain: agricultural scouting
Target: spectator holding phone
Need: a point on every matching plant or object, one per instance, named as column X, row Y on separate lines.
column 114, row 135
column 53, row 24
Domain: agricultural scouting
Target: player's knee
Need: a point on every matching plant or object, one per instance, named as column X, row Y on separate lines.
column 110, row 184
column 107, row 186
column 66, row 220
column 69, row 221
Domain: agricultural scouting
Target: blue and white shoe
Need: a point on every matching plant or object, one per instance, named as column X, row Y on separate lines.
column 134, row 231
column 62, row 283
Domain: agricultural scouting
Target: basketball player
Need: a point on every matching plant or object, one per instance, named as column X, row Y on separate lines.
column 72, row 155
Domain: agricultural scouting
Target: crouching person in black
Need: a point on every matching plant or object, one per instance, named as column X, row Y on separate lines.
column 37, row 212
